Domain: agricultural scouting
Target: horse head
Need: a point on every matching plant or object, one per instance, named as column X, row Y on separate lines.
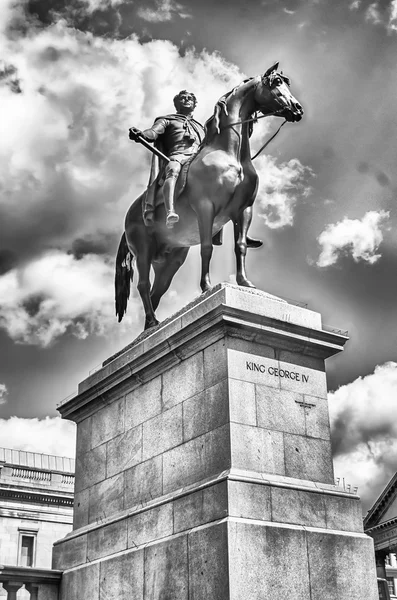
column 273, row 96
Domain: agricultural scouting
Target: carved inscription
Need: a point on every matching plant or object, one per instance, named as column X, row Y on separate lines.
column 277, row 372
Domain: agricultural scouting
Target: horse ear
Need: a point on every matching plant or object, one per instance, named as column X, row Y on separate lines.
column 273, row 68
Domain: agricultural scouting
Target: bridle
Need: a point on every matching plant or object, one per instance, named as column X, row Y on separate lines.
column 255, row 118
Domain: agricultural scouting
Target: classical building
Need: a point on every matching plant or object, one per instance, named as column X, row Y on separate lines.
column 381, row 524
column 36, row 509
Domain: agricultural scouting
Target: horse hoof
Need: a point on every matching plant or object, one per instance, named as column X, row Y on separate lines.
column 206, row 288
column 246, row 283
column 151, row 323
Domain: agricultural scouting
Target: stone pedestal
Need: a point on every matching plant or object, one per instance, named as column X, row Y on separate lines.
column 204, row 467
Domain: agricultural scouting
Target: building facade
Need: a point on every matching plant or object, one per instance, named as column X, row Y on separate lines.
column 36, row 509
column 381, row 524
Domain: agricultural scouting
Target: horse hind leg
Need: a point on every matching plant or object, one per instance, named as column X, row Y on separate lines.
column 164, row 273
column 241, row 227
column 143, row 264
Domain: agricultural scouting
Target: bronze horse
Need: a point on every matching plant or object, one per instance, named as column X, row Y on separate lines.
column 221, row 186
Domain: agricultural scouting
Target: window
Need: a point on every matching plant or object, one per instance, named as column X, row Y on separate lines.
column 390, row 585
column 27, row 547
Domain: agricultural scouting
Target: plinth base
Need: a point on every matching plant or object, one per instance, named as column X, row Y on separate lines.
column 204, row 467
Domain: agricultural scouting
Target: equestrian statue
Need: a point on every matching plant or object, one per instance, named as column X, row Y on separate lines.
column 200, row 179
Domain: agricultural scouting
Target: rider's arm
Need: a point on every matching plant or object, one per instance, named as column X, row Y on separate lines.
column 158, row 128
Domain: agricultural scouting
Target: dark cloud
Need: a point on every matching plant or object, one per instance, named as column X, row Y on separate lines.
column 383, row 179
column 8, row 260
column 101, row 243
column 363, row 167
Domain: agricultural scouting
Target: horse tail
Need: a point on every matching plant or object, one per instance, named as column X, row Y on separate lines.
column 123, row 277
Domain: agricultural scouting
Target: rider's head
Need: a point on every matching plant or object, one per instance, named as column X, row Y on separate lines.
column 185, row 101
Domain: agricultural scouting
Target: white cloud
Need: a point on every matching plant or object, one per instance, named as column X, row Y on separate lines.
column 58, row 293
column 393, row 16
column 67, row 166
column 280, row 188
column 3, row 393
column 372, row 14
column 47, row 436
column 364, row 430
column 165, row 10
column 360, row 238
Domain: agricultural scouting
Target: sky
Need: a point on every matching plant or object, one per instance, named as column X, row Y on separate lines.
column 75, row 75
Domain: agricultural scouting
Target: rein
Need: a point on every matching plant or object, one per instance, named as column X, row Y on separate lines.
column 254, row 119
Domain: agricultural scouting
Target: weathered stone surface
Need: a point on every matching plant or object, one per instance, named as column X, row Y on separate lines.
column 343, row 513
column 267, row 562
column 205, row 411
column 143, row 403
column 215, row 363
column 197, row 459
column 278, row 409
column 107, row 540
column 317, row 419
column 106, row 498
column 121, row 577
column 249, row 500
column 90, row 468
column 162, row 432
column 74, row 582
column 184, row 380
column 71, row 553
column 308, row 458
column 83, row 437
column 152, row 524
column 201, row 507
column 258, row 302
column 124, row 451
column 298, row 507
column 143, row 482
column 208, row 563
column 80, row 509
column 242, row 403
column 107, row 423
column 166, row 570
column 341, row 566
column 257, row 449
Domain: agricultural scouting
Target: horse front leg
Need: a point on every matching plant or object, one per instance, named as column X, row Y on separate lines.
column 143, row 263
column 241, row 227
column 205, row 215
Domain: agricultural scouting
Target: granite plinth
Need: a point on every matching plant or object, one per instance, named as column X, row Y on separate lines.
column 204, row 464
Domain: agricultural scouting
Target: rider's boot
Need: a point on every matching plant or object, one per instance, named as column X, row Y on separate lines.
column 217, row 240
column 169, row 190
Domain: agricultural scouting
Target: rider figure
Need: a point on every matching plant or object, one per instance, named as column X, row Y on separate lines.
column 179, row 137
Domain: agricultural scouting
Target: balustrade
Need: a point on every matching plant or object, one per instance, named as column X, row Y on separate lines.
column 41, row 584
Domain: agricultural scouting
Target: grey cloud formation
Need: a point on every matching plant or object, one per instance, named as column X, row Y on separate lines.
column 164, row 10
column 364, row 430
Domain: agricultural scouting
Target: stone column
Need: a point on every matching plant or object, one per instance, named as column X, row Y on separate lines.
column 33, row 589
column 12, row 588
column 380, row 557
column 204, row 466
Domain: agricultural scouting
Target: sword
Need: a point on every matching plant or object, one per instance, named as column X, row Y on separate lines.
column 142, row 141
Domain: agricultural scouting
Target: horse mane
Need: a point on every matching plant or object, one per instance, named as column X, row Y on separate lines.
column 211, row 126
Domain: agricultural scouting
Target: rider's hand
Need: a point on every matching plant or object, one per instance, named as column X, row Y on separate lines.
column 135, row 133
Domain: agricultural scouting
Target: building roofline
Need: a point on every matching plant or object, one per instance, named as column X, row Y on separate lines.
column 36, row 460
column 380, row 504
